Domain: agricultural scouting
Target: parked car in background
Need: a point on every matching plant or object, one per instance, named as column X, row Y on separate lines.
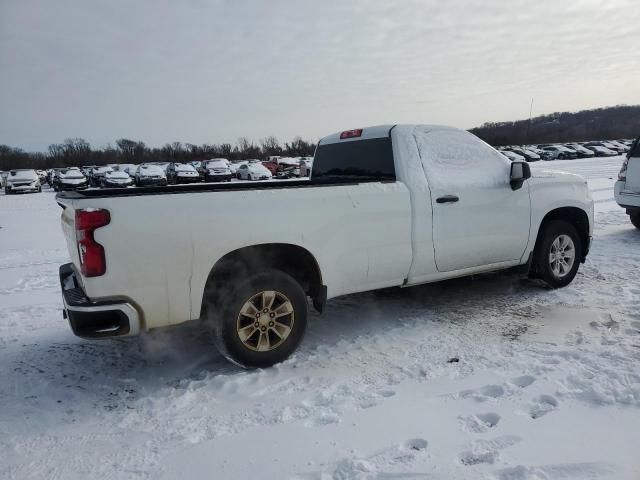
column 3, row 176
column 305, row 166
column 22, row 181
column 580, row 150
column 622, row 148
column 609, row 146
column 196, row 164
column 182, row 173
column 65, row 179
column 116, row 179
column 627, row 188
column 601, row 151
column 528, row 155
column 514, row 157
column 253, row 171
column 560, row 152
column 271, row 165
column 95, row 178
column 364, row 221
column 148, row 174
column 215, row 170
column 288, row 167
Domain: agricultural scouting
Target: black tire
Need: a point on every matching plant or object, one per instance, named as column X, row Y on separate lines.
column 223, row 311
column 553, row 230
column 635, row 220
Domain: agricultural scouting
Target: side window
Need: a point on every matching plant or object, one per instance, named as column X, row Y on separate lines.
column 455, row 158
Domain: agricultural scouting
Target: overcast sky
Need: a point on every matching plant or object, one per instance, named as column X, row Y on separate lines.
column 212, row 71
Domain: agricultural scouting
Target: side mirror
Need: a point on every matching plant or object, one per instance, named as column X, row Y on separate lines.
column 520, row 171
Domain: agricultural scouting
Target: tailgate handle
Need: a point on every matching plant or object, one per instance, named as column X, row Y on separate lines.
column 447, row 199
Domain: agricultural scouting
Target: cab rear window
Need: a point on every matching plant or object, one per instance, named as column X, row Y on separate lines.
column 360, row 161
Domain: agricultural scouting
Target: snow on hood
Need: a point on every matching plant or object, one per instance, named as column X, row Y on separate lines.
column 117, row 175
column 542, row 175
column 216, row 164
column 149, row 170
column 22, row 175
column 184, row 168
column 259, row 168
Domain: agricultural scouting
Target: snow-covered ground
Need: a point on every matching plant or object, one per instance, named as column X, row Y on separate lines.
column 546, row 384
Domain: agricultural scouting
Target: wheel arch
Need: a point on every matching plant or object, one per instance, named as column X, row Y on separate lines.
column 573, row 215
column 291, row 259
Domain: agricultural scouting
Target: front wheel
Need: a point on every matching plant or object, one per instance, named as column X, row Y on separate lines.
column 558, row 255
column 259, row 321
column 635, row 220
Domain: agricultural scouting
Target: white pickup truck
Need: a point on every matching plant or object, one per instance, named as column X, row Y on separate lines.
column 385, row 206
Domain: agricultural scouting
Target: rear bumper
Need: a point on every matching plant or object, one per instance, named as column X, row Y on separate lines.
column 95, row 319
column 626, row 199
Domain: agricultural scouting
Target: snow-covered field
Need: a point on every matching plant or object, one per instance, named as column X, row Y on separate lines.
column 485, row 377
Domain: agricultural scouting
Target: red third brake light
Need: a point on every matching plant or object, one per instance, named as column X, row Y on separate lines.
column 351, row 133
column 92, row 260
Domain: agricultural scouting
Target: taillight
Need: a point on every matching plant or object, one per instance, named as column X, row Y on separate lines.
column 92, row 260
column 622, row 175
column 351, row 133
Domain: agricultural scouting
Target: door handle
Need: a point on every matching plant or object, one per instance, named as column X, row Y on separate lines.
column 447, row 199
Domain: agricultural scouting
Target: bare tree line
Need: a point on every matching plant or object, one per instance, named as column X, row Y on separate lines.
column 609, row 123
column 78, row 152
column 598, row 124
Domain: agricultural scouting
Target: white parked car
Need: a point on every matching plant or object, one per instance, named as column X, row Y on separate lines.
column 22, row 181
column 627, row 188
column 69, row 179
column 374, row 224
column 116, row 179
column 253, row 171
column 512, row 156
column 149, row 174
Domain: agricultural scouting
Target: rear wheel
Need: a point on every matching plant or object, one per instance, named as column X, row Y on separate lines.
column 635, row 220
column 261, row 320
column 558, row 254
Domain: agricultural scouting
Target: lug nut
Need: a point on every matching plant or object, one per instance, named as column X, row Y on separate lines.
column 265, row 310
column 271, row 324
column 256, row 324
column 257, row 315
column 263, row 328
column 273, row 315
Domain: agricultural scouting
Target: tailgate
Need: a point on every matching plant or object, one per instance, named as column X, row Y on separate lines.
column 68, row 221
column 633, row 175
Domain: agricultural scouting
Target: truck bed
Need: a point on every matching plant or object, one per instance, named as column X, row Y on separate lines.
column 201, row 187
